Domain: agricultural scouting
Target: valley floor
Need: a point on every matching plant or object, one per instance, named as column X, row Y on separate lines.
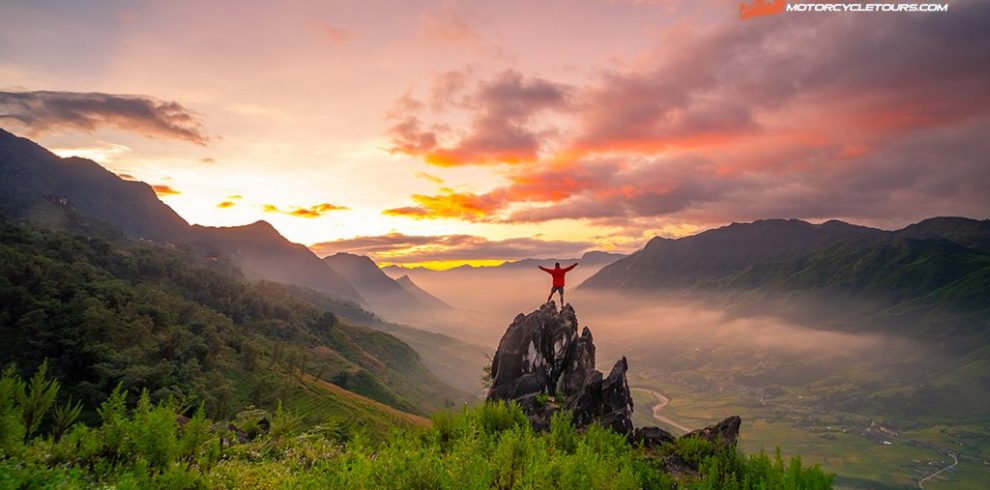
column 861, row 451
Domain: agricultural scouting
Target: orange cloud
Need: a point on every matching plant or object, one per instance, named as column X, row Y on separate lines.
column 430, row 177
column 162, row 190
column 314, row 211
column 225, row 204
column 450, row 204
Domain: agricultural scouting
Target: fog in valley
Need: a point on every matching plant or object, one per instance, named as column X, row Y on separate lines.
column 654, row 331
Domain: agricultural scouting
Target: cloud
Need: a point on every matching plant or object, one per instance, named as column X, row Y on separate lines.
column 164, row 190
column 429, row 177
column 500, row 131
column 47, row 111
column 401, row 248
column 100, row 151
column 335, row 35
column 314, row 211
column 450, row 204
column 410, row 137
column 453, row 26
column 884, row 122
column 226, row 204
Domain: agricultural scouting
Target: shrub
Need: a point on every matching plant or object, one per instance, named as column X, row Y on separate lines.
column 489, row 446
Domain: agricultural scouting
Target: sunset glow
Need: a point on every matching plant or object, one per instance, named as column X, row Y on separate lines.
column 572, row 126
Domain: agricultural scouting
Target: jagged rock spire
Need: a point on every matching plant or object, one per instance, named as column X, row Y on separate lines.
column 544, row 365
column 541, row 354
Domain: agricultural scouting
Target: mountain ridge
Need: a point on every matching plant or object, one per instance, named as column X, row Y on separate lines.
column 421, row 295
column 40, row 186
column 940, row 262
column 380, row 290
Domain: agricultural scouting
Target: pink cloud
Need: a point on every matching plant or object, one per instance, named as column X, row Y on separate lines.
column 884, row 119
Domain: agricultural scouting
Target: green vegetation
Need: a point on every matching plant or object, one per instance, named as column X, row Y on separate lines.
column 935, row 287
column 490, row 446
column 159, row 319
column 839, row 441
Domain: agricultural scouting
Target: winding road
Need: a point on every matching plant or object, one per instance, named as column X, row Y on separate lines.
column 955, row 461
column 663, row 401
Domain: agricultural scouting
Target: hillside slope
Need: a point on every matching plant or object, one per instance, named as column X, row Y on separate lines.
column 152, row 318
column 941, row 263
column 381, row 291
column 37, row 185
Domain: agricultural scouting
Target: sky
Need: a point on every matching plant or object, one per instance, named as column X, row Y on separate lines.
column 446, row 132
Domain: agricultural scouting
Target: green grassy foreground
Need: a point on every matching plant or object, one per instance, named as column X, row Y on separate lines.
column 490, row 446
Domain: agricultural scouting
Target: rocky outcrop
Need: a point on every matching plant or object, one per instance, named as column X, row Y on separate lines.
column 650, row 437
column 725, row 432
column 543, row 364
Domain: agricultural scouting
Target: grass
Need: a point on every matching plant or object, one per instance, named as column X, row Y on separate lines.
column 489, row 446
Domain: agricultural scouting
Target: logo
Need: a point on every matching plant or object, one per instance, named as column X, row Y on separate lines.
column 760, row 8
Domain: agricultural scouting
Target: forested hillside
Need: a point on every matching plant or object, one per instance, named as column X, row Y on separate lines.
column 105, row 313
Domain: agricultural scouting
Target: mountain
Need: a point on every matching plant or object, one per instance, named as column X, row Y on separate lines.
column 421, row 295
column 715, row 253
column 39, row 186
column 590, row 260
column 480, row 294
column 157, row 318
column 378, row 289
column 942, row 262
column 262, row 253
column 436, row 280
column 964, row 231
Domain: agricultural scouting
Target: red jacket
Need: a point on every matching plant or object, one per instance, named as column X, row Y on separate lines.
column 558, row 274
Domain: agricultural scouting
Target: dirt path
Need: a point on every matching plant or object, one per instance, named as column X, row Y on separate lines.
column 921, row 482
column 663, row 401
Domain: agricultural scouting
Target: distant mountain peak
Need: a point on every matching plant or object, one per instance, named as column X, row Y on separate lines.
column 599, row 254
column 261, row 224
column 421, row 295
column 352, row 257
column 371, row 282
column 261, row 231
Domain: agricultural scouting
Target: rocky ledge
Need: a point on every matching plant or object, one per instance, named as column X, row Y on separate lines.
column 545, row 366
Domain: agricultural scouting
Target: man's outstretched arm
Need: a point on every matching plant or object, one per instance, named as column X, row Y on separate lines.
column 571, row 267
column 544, row 269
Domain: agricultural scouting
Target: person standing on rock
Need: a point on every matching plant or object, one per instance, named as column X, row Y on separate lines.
column 558, row 274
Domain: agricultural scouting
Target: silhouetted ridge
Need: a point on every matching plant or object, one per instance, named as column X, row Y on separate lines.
column 74, row 193
column 37, row 184
column 968, row 232
column 374, row 285
column 263, row 253
column 421, row 295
